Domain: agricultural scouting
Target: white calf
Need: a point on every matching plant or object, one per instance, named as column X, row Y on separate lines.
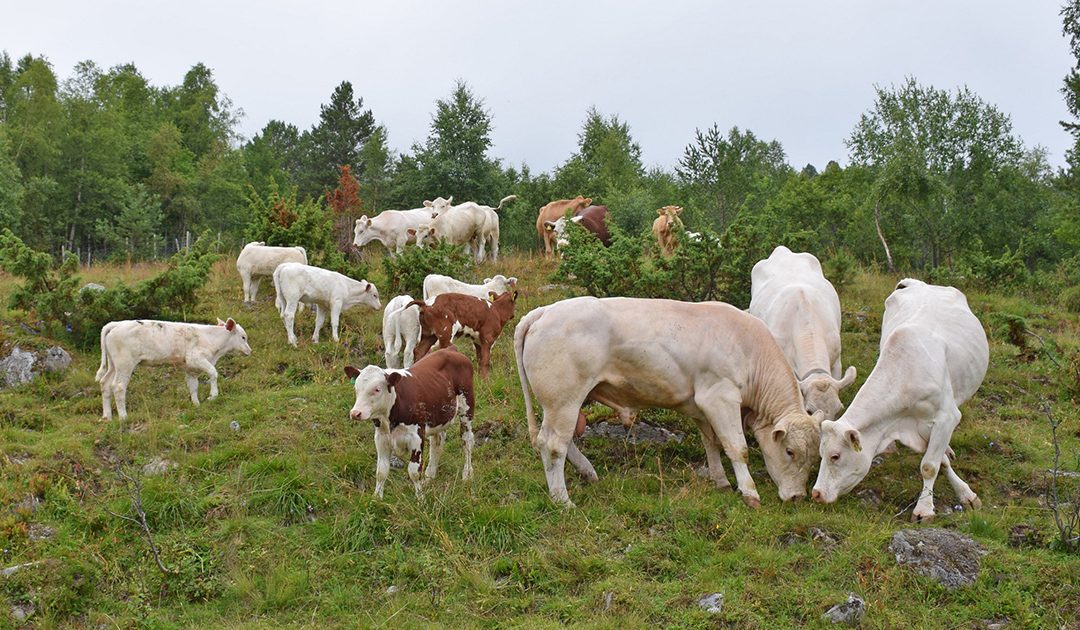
column 327, row 290
column 257, row 260
column 400, row 326
column 435, row 285
column 197, row 347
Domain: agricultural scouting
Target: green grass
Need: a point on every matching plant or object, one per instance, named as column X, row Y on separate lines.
column 275, row 524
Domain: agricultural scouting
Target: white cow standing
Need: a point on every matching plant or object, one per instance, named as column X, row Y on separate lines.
column 933, row 357
column 435, row 285
column 708, row 360
column 258, row 260
column 326, row 290
column 401, row 332
column 196, row 347
column 471, row 224
column 790, row 294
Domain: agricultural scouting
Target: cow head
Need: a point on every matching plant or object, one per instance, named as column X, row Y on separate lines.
column 500, row 283
column 789, row 446
column 375, row 394
column 558, row 228
column 238, row 339
column 844, row 461
column 821, row 392
column 363, row 292
column 421, row 234
column 362, row 232
column 439, row 206
column 580, row 203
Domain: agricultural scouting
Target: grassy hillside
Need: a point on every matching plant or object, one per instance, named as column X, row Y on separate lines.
column 274, row 523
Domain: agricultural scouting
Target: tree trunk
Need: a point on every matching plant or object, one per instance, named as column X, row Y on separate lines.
column 881, row 235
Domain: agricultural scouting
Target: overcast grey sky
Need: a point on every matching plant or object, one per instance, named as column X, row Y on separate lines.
column 797, row 72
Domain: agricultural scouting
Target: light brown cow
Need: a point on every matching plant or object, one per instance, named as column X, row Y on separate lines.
column 454, row 314
column 554, row 211
column 665, row 227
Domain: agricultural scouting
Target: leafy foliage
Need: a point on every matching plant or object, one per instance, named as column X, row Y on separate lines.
column 405, row 272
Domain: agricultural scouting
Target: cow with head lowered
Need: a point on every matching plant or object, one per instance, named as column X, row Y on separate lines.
column 395, row 228
column 470, row 224
column 553, row 212
column 933, row 357
column 453, row 315
column 802, row 310
column 329, row 291
column 709, row 360
column 409, row 407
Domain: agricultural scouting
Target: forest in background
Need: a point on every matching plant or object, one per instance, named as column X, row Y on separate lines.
column 105, row 164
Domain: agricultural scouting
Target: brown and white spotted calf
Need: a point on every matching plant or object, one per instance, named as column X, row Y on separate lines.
column 454, row 314
column 408, row 406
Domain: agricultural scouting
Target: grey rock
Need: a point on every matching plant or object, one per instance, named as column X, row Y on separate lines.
column 29, row 505
column 393, row 588
column 396, row 462
column 993, row 624
column 949, row 558
column 712, row 603
column 158, row 466
column 91, row 286
column 18, row 367
column 639, row 433
column 234, row 425
column 40, row 532
column 608, row 597
column 22, row 612
column 8, row 572
column 850, row 613
column 56, row 360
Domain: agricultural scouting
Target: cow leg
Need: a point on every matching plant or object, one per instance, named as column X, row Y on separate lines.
column 436, row 441
column 581, row 463
column 245, row 279
column 335, row 317
column 724, row 412
column 465, row 417
column 289, row 317
column 382, row 461
column 712, row 455
column 193, row 387
column 483, row 357
column 255, row 287
column 415, row 445
column 423, row 347
column 206, row 366
column 120, row 383
column 963, row 491
column 320, row 320
column 940, row 433
column 410, row 348
column 554, row 441
column 107, row 394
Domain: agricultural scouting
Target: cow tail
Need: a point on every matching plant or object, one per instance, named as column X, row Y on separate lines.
column 304, row 252
column 104, row 369
column 505, row 200
column 519, row 354
column 279, row 301
column 417, row 303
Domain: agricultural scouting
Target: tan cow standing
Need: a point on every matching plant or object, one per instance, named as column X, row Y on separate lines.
column 708, row 360
column 554, row 211
column 665, row 226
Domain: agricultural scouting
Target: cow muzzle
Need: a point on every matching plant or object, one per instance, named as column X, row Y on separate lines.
column 356, row 414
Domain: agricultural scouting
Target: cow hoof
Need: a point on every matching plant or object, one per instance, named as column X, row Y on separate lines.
column 751, row 501
column 921, row 517
column 972, row 503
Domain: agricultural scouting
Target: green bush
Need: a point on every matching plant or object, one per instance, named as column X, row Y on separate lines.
column 1005, row 270
column 840, row 268
column 1070, row 299
column 406, row 271
column 52, row 296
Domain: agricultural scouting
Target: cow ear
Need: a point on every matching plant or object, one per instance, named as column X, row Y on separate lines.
column 852, row 436
column 367, row 288
column 363, row 218
column 660, row 211
column 220, row 323
column 392, row 379
column 230, row 325
column 778, row 435
column 411, row 231
column 549, row 225
column 515, row 296
column 351, row 372
column 512, row 280
column 819, row 417
column 450, row 200
column 849, row 378
column 491, row 296
column 369, row 222
column 678, row 209
column 486, row 280
column 427, row 203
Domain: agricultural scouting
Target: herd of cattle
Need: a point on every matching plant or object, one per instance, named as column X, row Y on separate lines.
column 774, row 369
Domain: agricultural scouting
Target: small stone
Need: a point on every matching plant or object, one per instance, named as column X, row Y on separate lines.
column 91, row 286
column 639, row 433
column 234, row 425
column 949, row 558
column 877, row 461
column 608, row 597
column 392, row 589
column 18, row 367
column 850, row 613
column 56, row 360
column 28, row 506
column 396, row 462
column 712, row 603
column 22, row 612
column 40, row 532
column 993, row 624
column 702, row 471
column 157, row 466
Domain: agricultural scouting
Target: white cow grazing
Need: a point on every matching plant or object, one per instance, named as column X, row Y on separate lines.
column 196, row 347
column 258, row 260
column 470, row 224
column 401, row 331
column 327, row 290
column 709, row 361
column 393, row 228
column 435, row 284
column 933, row 356
column 790, row 294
